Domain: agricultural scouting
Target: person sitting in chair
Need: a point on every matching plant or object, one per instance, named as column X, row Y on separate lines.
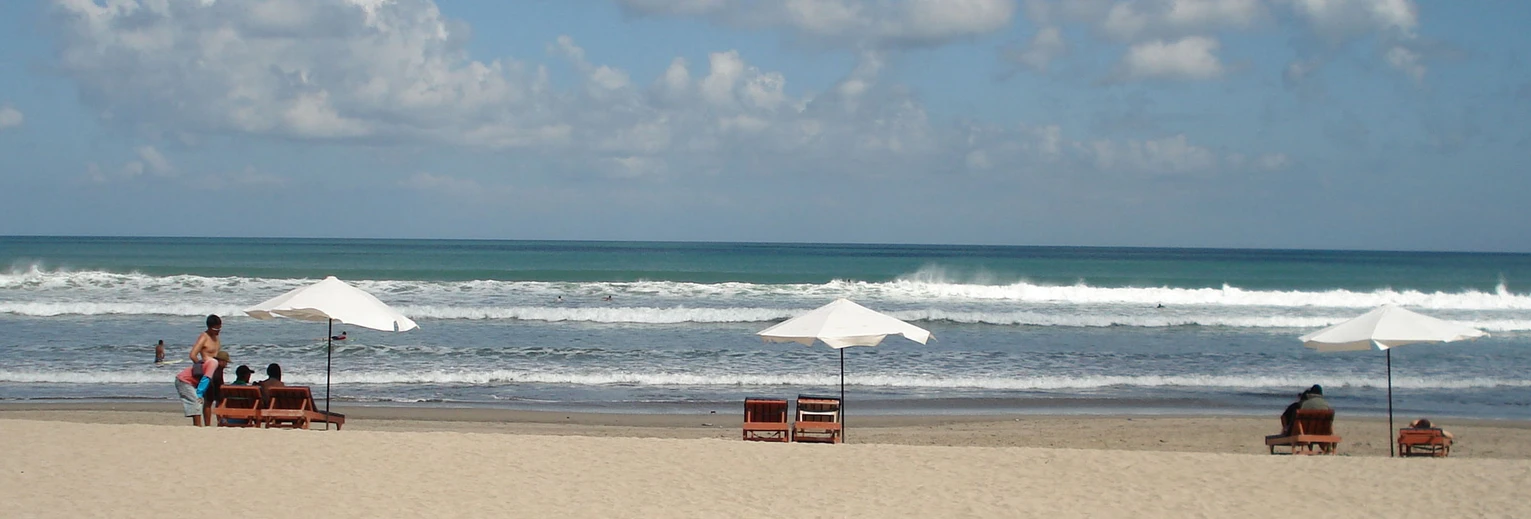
column 1312, row 398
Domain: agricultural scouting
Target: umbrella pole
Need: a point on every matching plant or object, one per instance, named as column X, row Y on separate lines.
column 1392, row 449
column 842, row 395
column 329, row 353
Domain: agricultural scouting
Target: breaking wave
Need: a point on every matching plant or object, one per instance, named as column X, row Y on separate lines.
column 1018, row 383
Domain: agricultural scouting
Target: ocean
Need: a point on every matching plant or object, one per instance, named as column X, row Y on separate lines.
column 528, row 324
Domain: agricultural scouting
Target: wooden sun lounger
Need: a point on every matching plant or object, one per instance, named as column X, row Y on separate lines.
column 239, row 406
column 1423, row 442
column 1311, row 428
column 765, row 419
column 818, row 420
column 293, row 407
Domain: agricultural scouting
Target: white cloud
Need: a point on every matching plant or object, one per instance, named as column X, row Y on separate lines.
column 1344, row 18
column 674, row 7
column 1297, row 72
column 1393, row 21
column 1146, row 24
column 1273, row 161
column 1045, row 46
column 1131, row 19
column 146, row 159
column 10, row 117
column 1191, row 58
column 1047, row 151
column 247, row 178
column 447, row 184
column 328, row 69
column 1406, row 61
column 858, row 23
column 388, row 72
column 155, row 161
column 1169, row 155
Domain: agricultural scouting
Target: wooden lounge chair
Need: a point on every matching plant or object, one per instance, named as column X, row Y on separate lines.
column 1423, row 442
column 818, row 420
column 293, row 407
column 1311, row 428
column 238, row 407
column 765, row 419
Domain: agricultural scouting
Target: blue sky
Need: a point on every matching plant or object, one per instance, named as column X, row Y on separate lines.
column 1351, row 124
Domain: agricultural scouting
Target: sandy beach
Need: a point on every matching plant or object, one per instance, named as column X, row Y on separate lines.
column 135, row 460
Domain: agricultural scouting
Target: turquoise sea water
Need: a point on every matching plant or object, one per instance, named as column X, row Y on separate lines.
column 527, row 324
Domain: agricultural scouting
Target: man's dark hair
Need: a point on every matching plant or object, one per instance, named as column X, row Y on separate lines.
column 274, row 371
column 213, row 320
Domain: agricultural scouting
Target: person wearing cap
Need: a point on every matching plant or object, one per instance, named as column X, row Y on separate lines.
column 242, row 375
column 1311, row 398
column 241, row 378
column 1315, row 399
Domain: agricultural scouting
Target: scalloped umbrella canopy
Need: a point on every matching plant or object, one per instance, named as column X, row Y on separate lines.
column 333, row 299
column 1387, row 327
column 842, row 324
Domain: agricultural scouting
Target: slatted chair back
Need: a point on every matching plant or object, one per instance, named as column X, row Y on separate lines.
column 1318, row 422
column 764, row 410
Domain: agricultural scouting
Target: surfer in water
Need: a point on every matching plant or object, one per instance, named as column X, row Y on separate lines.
column 340, row 337
column 159, row 352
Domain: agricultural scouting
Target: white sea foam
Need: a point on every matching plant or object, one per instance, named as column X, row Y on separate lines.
column 1018, row 383
column 1083, row 316
column 46, row 293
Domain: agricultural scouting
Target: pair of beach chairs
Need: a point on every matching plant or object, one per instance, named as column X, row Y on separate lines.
column 1312, row 432
column 818, row 420
column 290, row 407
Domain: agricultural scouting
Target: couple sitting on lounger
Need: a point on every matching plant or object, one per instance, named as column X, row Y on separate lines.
column 1312, row 398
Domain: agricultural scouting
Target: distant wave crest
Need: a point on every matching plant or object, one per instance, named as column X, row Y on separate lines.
column 1018, row 383
column 46, row 293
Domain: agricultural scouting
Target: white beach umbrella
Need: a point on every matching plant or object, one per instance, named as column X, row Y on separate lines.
column 1385, row 328
column 839, row 325
column 328, row 301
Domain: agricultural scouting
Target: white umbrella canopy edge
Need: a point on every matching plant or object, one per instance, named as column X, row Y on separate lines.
column 842, row 324
column 1387, row 327
column 332, row 298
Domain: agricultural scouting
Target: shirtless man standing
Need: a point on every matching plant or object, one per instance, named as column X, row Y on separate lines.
column 207, row 345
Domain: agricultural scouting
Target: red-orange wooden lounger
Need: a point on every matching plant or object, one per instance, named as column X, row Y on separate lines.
column 765, row 419
column 293, row 407
column 238, row 407
column 1423, row 442
column 818, row 420
column 1311, row 428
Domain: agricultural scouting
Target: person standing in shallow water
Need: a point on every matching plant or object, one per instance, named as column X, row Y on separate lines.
column 159, row 352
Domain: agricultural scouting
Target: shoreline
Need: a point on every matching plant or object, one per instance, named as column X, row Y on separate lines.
column 1223, row 434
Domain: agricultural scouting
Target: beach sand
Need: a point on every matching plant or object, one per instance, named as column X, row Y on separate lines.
column 142, row 460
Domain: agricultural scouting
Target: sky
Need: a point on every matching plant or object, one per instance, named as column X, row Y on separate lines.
column 1331, row 124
